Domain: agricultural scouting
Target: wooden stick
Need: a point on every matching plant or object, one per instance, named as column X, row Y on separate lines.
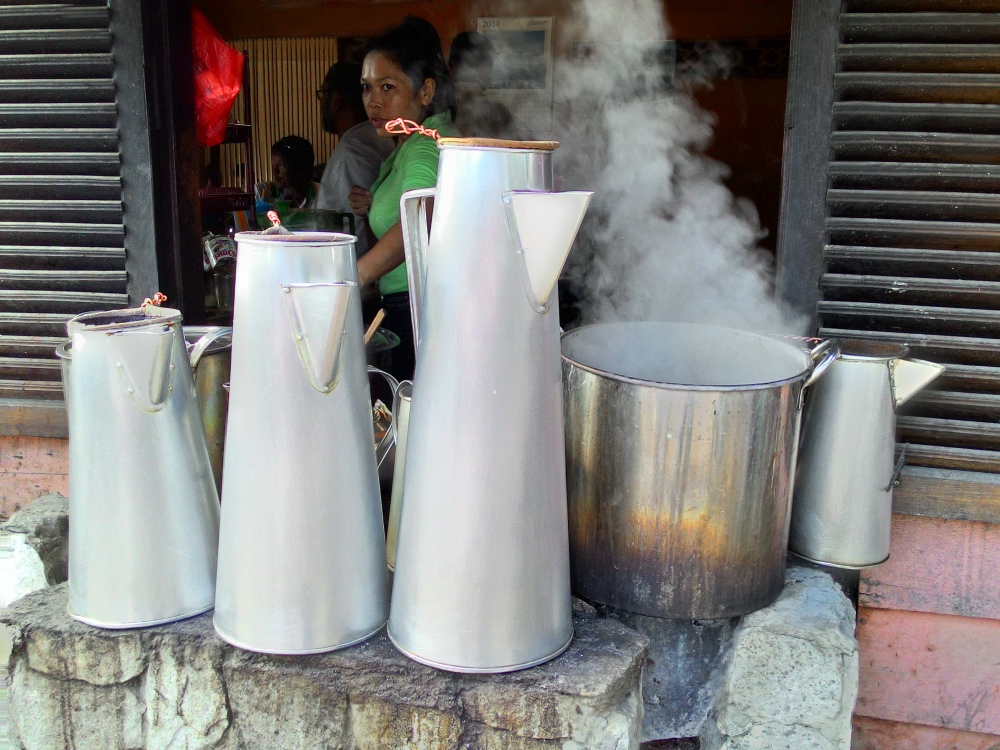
column 374, row 326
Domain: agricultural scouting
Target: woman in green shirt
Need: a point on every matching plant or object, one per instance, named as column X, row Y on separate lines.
column 404, row 75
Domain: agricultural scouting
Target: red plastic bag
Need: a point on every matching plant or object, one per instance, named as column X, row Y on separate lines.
column 218, row 76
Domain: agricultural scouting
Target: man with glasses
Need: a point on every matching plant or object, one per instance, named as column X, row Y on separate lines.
column 359, row 153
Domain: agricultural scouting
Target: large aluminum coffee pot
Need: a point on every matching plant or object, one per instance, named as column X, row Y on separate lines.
column 144, row 511
column 482, row 560
column 302, row 548
column 843, row 495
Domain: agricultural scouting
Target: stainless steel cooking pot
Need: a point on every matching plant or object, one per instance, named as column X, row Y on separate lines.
column 680, row 449
column 210, row 349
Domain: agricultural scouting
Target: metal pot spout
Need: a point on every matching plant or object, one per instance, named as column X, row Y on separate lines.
column 144, row 361
column 318, row 317
column 910, row 376
column 543, row 227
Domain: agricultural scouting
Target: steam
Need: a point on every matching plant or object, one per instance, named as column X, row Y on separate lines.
column 664, row 239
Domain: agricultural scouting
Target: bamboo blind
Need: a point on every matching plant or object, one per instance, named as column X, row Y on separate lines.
column 284, row 75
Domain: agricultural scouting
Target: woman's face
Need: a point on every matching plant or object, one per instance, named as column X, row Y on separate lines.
column 279, row 171
column 389, row 95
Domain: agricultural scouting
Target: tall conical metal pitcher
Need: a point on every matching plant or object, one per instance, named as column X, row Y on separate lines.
column 842, row 512
column 302, row 548
column 144, row 511
column 482, row 561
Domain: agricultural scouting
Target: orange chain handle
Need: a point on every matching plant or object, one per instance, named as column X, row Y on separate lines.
column 155, row 301
column 400, row 126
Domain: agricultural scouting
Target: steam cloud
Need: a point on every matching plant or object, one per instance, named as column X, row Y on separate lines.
column 664, row 239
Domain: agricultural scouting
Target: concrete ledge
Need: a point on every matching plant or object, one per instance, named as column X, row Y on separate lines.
column 180, row 686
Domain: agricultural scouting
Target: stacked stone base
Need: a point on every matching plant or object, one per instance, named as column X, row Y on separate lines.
column 180, row 686
column 792, row 677
column 782, row 678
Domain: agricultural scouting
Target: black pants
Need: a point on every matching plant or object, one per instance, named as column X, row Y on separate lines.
column 398, row 320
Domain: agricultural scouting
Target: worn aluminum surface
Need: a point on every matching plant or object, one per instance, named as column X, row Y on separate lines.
column 302, row 548
column 209, row 350
column 211, row 359
column 482, row 565
column 842, row 512
column 680, row 452
column 143, row 503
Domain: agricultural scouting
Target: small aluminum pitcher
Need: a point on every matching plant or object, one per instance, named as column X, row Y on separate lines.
column 842, row 510
column 302, row 548
column 144, row 511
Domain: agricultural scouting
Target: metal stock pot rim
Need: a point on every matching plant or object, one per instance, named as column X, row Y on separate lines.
column 221, row 344
column 665, row 385
column 134, row 317
column 686, row 386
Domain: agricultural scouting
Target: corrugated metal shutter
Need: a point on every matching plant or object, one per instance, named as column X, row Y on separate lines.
column 913, row 206
column 61, row 234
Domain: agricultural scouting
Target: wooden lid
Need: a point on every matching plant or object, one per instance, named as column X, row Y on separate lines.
column 498, row 143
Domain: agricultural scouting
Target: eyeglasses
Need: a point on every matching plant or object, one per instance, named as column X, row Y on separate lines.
column 321, row 92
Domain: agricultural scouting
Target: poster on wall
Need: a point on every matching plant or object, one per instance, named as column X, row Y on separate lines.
column 522, row 73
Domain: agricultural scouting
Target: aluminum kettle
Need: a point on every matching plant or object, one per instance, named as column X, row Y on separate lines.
column 842, row 511
column 144, row 510
column 302, row 547
column 482, row 558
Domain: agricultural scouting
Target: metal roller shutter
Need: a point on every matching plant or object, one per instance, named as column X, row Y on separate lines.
column 61, row 233
column 912, row 210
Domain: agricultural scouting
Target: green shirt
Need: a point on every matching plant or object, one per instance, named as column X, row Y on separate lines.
column 411, row 166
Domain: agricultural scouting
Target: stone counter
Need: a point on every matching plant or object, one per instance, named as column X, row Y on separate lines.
column 180, row 686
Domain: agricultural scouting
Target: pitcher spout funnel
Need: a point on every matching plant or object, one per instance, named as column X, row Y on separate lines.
column 144, row 362
column 910, row 376
column 318, row 317
column 543, row 227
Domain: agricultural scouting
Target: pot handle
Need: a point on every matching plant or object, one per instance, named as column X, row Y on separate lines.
column 390, row 437
column 821, row 357
column 199, row 347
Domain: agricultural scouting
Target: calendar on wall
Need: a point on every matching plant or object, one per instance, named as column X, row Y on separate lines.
column 522, row 71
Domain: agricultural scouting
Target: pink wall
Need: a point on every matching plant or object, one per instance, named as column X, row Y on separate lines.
column 929, row 639
column 877, row 734
column 29, row 468
column 938, row 670
column 938, row 565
